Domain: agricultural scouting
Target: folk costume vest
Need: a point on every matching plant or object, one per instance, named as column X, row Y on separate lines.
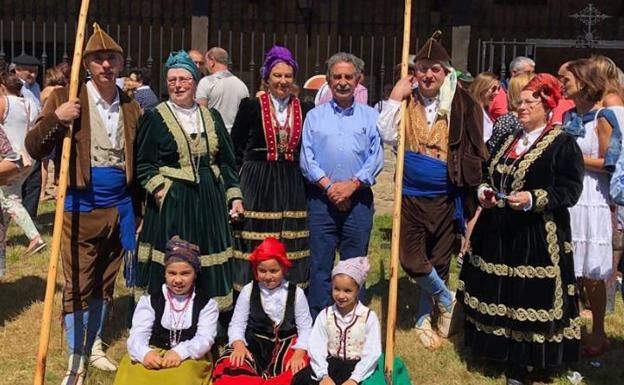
column 348, row 343
column 419, row 137
column 260, row 324
column 103, row 152
column 160, row 335
column 281, row 141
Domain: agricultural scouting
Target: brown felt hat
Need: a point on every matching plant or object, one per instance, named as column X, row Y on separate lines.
column 433, row 50
column 101, row 41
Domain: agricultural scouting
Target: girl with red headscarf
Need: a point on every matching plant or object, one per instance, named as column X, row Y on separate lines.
column 517, row 286
column 269, row 330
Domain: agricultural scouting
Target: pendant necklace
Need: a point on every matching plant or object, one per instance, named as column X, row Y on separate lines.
column 177, row 318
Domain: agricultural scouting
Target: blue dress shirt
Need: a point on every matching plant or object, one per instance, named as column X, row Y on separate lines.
column 341, row 143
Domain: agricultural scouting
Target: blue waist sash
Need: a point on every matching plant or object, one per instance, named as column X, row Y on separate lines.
column 107, row 189
column 427, row 177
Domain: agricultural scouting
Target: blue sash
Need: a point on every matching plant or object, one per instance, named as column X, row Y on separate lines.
column 108, row 189
column 427, row 177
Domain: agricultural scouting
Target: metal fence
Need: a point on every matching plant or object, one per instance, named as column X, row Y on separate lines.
column 148, row 47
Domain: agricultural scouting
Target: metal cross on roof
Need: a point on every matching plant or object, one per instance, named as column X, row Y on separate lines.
column 590, row 16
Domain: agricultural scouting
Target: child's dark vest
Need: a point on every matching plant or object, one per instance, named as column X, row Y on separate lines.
column 160, row 335
column 262, row 335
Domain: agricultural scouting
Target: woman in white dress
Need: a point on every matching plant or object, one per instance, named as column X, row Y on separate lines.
column 593, row 127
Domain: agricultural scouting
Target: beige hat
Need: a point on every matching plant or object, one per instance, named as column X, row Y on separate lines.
column 101, row 41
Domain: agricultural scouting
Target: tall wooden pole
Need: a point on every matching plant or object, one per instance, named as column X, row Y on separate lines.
column 396, row 215
column 46, row 320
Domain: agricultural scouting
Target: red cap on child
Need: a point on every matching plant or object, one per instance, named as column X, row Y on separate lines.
column 270, row 248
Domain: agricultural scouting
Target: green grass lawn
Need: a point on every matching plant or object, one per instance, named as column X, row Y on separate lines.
column 22, row 290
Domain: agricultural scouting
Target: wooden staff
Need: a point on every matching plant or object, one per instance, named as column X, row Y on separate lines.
column 396, row 215
column 46, row 322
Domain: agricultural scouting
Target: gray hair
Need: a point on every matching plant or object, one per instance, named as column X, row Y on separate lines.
column 519, row 61
column 218, row 54
column 341, row 57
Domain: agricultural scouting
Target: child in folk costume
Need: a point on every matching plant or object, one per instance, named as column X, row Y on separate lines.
column 268, row 334
column 173, row 331
column 345, row 343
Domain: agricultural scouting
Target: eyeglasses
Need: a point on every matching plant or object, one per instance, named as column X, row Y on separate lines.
column 530, row 104
column 182, row 80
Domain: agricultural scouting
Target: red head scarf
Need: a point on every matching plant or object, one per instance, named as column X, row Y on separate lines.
column 270, row 248
column 547, row 87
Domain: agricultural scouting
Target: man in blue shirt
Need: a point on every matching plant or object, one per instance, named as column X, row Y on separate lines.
column 341, row 154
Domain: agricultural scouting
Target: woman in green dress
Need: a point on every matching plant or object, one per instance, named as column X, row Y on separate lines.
column 186, row 163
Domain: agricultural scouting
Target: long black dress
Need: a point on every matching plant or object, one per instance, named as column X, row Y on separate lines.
column 272, row 185
column 517, row 287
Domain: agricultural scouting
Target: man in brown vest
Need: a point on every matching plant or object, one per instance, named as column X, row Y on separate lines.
column 443, row 154
column 101, row 203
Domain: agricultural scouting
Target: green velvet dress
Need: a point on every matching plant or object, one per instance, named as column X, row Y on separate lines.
column 199, row 179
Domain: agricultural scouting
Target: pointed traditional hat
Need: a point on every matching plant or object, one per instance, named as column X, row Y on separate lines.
column 433, row 50
column 101, row 41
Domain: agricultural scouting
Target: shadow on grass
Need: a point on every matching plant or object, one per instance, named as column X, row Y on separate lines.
column 407, row 304
column 119, row 319
column 18, row 295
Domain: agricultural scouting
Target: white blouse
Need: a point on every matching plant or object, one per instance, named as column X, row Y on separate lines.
column 319, row 342
column 281, row 108
column 189, row 118
column 144, row 318
column 274, row 305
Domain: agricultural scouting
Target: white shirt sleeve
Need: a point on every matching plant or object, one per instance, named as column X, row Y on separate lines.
column 303, row 319
column 238, row 324
column 371, row 352
column 317, row 347
column 200, row 344
column 388, row 121
column 142, row 322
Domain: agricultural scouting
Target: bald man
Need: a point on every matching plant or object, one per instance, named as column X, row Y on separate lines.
column 221, row 90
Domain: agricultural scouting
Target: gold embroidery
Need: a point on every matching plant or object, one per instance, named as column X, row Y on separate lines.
column 233, row 193
column 556, row 313
column 568, row 247
column 571, row 290
column 421, row 137
column 531, row 157
column 498, row 155
column 211, row 134
column 275, row 214
column 521, row 271
column 292, row 255
column 224, row 302
column 186, row 171
column 504, row 168
column 572, row 332
column 541, row 199
column 259, row 236
column 148, row 253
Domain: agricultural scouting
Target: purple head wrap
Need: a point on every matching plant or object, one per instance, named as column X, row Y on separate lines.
column 184, row 251
column 356, row 268
column 278, row 54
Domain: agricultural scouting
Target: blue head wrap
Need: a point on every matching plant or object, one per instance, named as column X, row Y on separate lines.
column 181, row 59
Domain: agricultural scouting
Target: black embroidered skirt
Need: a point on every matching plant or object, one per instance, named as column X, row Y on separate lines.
column 275, row 205
column 517, row 289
